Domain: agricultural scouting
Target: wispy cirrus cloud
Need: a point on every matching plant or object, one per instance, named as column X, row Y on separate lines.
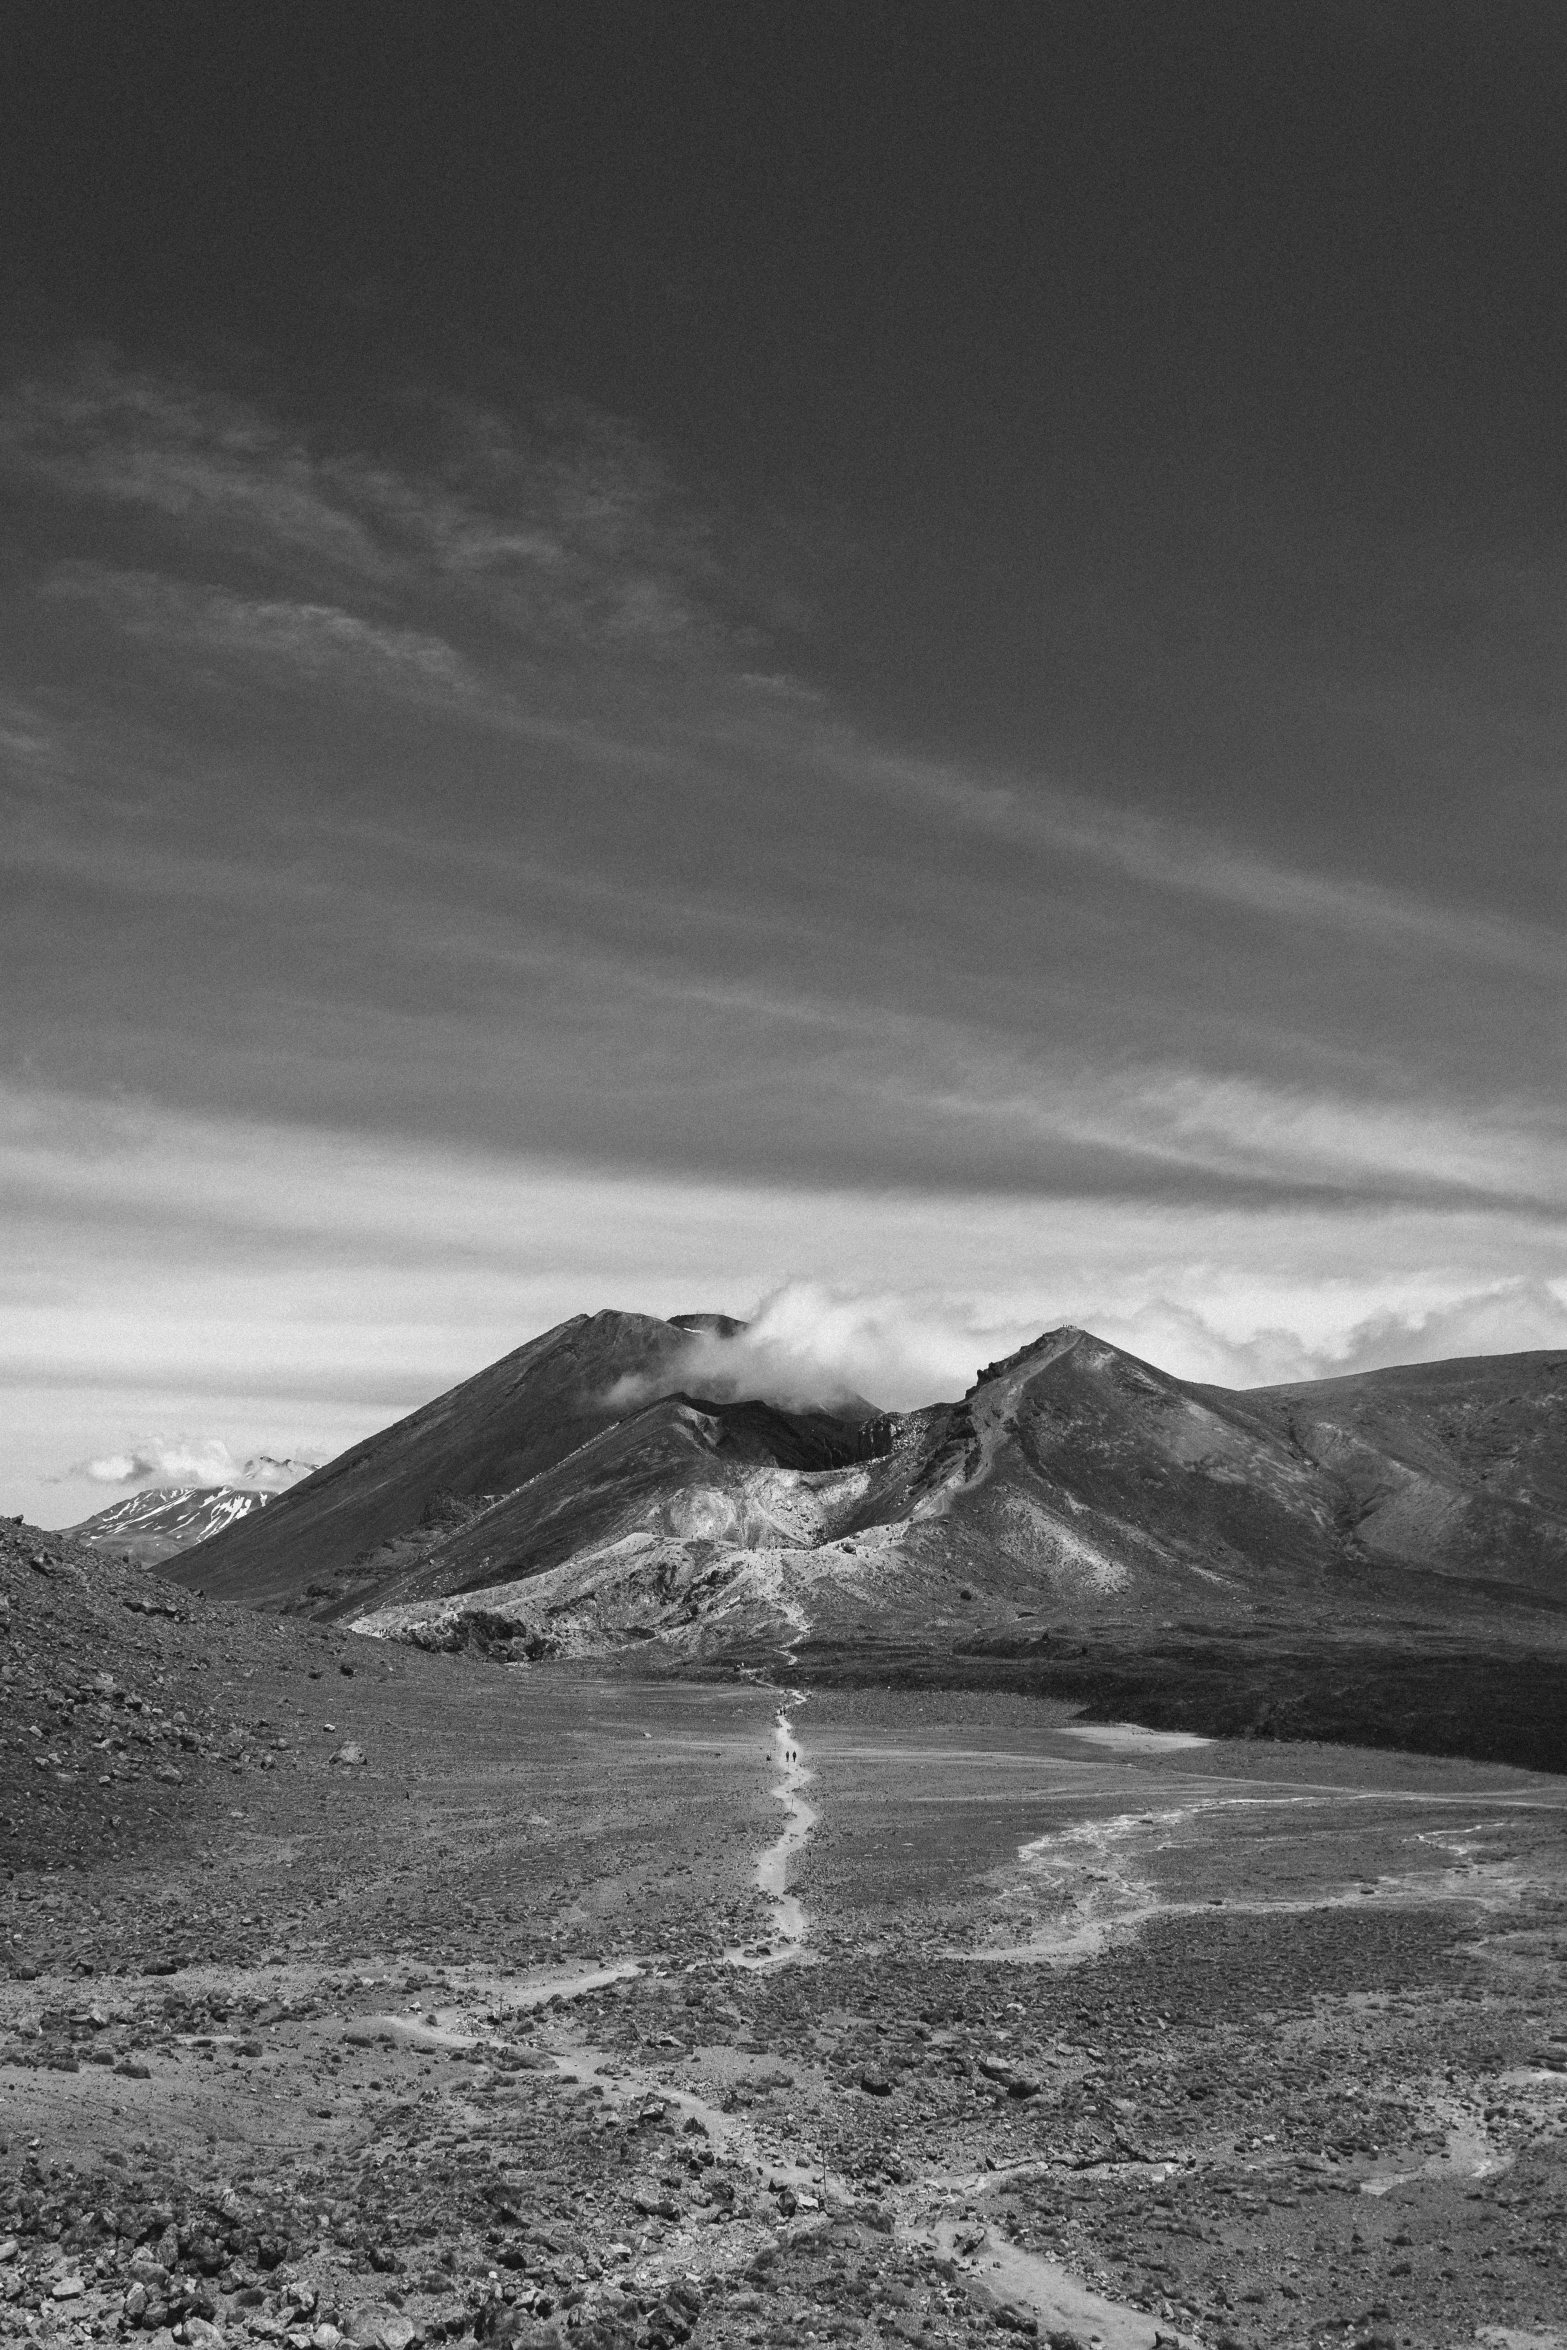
column 311, row 636
column 559, row 526
column 100, row 433
column 1193, row 860
column 562, row 535
column 1060, row 1121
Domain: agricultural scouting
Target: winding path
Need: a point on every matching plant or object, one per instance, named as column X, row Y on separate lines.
column 772, row 1867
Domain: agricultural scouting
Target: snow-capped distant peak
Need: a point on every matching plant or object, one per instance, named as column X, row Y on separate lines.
column 153, row 1525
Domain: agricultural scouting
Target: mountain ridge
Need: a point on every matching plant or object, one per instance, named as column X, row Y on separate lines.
column 1073, row 1483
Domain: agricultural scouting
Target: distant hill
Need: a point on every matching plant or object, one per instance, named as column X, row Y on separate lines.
column 156, row 1525
column 1422, row 1448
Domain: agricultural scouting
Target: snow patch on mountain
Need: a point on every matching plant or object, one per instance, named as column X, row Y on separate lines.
column 166, row 1519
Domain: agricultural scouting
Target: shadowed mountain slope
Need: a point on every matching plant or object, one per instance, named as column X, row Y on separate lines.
column 508, row 1423
column 356, row 1524
column 695, row 1474
column 1459, row 1465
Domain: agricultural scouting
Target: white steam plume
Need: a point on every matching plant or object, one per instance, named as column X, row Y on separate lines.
column 807, row 1347
column 811, row 1347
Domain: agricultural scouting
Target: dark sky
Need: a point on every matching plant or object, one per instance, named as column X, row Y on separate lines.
column 927, row 642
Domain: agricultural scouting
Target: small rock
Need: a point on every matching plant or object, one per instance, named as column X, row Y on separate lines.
column 69, row 2289
column 380, row 2328
column 348, row 1753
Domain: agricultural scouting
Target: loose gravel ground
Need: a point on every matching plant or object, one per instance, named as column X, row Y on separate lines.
column 430, row 2000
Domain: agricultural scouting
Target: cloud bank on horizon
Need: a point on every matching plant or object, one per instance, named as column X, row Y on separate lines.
column 526, row 792
column 191, row 1461
column 808, row 1347
column 184, row 1460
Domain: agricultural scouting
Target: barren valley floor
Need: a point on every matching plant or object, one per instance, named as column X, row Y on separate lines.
column 623, row 2011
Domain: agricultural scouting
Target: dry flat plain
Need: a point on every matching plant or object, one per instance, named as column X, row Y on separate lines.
column 354, row 1992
